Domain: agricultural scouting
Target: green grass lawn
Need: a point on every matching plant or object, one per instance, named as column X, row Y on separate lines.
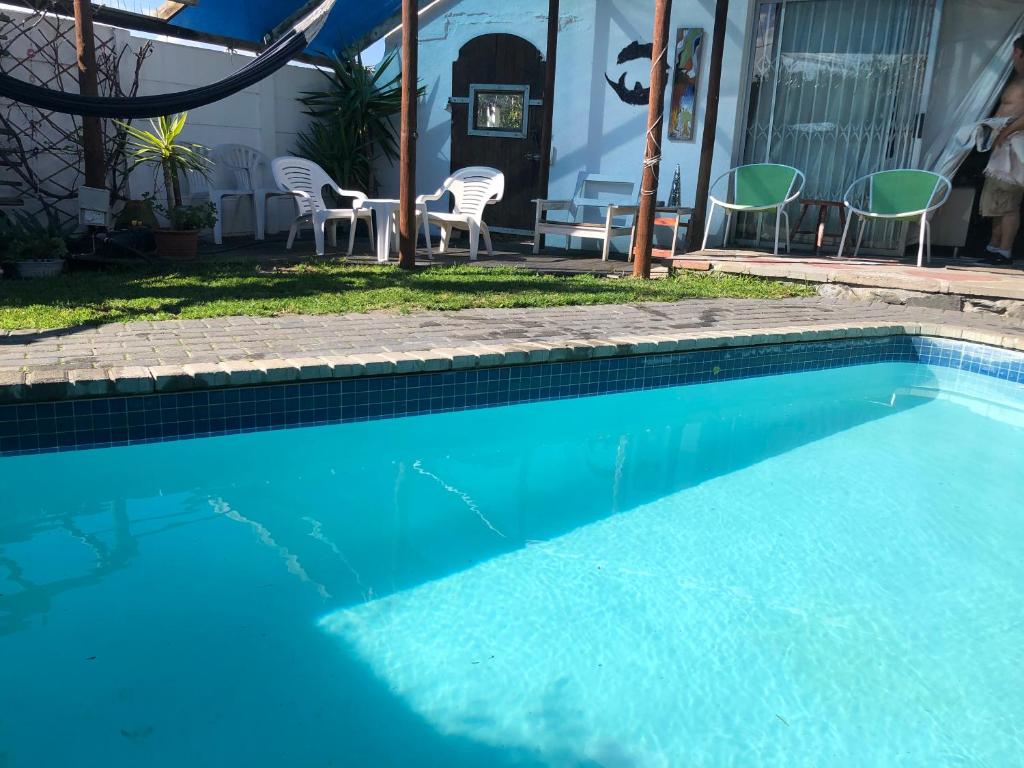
column 121, row 295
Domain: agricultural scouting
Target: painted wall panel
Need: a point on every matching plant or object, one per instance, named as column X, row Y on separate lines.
column 594, row 131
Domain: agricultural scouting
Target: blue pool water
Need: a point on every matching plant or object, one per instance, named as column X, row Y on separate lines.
column 812, row 569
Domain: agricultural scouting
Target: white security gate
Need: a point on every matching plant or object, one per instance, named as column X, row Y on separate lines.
column 837, row 89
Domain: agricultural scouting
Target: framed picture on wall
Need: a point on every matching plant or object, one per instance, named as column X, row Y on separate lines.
column 682, row 117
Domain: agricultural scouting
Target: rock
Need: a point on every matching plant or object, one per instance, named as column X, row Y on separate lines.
column 1009, row 309
column 895, row 296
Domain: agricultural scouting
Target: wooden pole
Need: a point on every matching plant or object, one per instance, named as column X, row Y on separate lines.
column 549, row 98
column 652, row 153
column 544, row 182
column 407, row 138
column 92, row 129
column 695, row 232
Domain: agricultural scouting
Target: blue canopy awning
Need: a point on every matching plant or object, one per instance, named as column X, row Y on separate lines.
column 253, row 20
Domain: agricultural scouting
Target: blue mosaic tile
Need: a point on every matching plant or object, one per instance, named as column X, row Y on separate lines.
column 105, row 422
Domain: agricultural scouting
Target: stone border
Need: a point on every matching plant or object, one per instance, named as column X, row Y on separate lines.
column 859, row 276
column 17, row 387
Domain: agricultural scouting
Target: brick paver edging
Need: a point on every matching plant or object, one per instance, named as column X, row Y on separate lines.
column 20, row 387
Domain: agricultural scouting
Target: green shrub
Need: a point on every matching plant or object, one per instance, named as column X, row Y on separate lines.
column 199, row 216
column 354, row 123
column 24, row 237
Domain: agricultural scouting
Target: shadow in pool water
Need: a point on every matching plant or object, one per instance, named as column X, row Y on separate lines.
column 337, row 518
column 437, row 493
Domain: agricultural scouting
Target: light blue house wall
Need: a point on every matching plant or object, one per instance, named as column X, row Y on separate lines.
column 594, row 130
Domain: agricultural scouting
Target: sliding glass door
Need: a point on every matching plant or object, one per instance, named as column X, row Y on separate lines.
column 837, row 89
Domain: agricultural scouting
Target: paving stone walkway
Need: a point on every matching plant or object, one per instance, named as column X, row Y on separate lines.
column 183, row 354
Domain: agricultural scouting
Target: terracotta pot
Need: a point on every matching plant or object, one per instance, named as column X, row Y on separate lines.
column 177, row 244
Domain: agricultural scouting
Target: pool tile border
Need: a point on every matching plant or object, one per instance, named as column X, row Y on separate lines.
column 368, row 388
column 51, row 385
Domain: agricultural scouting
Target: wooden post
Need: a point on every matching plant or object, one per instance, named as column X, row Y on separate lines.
column 652, row 153
column 407, row 139
column 551, row 56
column 549, row 98
column 695, row 232
column 92, row 130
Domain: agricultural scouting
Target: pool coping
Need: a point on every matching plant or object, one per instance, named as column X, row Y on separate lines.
column 125, row 420
column 51, row 386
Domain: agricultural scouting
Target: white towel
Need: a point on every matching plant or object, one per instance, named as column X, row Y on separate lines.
column 983, row 134
column 1007, row 161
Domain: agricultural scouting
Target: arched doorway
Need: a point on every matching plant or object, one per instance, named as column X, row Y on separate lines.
column 497, row 98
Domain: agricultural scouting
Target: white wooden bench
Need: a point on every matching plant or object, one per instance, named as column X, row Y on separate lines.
column 594, row 194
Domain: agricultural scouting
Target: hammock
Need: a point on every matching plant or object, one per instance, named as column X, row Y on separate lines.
column 272, row 59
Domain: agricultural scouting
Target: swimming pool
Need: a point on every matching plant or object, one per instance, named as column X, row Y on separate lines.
column 809, row 568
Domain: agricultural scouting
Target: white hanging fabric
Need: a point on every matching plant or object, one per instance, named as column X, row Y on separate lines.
column 954, row 134
column 1006, row 163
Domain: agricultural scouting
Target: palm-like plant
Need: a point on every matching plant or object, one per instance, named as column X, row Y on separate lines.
column 160, row 148
column 353, row 120
column 329, row 144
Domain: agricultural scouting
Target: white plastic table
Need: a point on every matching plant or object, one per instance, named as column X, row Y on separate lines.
column 385, row 210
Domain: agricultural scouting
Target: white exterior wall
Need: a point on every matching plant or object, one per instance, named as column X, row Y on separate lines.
column 266, row 115
column 593, row 130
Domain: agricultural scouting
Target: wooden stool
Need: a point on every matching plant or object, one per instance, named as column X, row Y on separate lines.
column 819, row 231
column 670, row 216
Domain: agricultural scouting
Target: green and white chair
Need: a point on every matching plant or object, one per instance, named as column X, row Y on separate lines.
column 899, row 195
column 756, row 188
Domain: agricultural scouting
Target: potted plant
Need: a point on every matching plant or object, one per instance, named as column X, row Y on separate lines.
column 32, row 248
column 170, row 159
column 180, row 240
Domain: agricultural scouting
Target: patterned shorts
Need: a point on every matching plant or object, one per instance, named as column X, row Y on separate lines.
column 1000, row 198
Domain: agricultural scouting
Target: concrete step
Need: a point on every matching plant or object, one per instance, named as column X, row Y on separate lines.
column 682, row 262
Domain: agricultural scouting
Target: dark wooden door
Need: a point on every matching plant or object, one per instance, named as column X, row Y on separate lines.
column 497, row 98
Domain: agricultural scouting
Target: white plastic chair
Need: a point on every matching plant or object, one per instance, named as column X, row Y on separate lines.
column 305, row 181
column 897, row 195
column 756, row 188
column 236, row 171
column 472, row 190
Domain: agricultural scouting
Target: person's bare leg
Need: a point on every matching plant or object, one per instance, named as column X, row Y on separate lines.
column 997, row 236
column 1008, row 228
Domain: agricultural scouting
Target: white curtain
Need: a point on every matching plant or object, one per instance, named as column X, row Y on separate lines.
column 969, row 82
column 837, row 89
column 839, row 95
